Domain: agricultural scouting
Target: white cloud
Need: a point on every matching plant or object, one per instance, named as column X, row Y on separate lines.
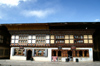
column 97, row 20
column 37, row 13
column 11, row 2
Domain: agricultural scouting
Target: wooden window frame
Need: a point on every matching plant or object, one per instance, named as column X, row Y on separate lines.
column 78, row 39
column 17, row 52
column 89, row 39
column 41, row 36
column 37, row 53
column 24, row 40
column 59, row 39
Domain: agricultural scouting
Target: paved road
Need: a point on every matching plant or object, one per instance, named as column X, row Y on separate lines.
column 32, row 63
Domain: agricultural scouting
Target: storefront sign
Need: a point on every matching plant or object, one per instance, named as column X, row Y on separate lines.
column 73, row 48
column 59, row 48
column 21, row 47
column 54, row 58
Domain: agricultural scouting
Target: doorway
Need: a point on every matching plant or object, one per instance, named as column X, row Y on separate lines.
column 59, row 53
column 29, row 55
column 70, row 55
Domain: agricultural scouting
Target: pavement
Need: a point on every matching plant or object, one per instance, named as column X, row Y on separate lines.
column 34, row 63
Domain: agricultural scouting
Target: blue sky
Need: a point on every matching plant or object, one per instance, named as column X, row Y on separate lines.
column 47, row 11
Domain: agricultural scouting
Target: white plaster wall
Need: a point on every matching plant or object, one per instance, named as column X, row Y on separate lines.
column 29, row 37
column 16, row 41
column 12, row 37
column 29, row 41
column 33, row 37
column 12, row 41
column 17, row 37
column 90, row 58
column 48, row 58
column 47, row 36
column 47, row 41
column 33, row 41
column 16, row 57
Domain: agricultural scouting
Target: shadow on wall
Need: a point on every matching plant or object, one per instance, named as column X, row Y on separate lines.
column 96, row 40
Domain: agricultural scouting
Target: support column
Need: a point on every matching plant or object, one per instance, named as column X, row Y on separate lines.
column 83, row 53
column 61, row 53
column 87, row 54
column 67, row 53
column 56, row 53
column 77, row 53
column 73, row 52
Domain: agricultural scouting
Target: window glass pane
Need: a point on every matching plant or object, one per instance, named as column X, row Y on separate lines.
column 52, row 36
column 85, row 41
column 90, row 41
column 12, row 41
column 85, row 37
column 66, row 41
column 39, row 52
column 18, row 51
column 29, row 37
column 1, row 52
column 90, row 36
column 6, row 52
column 12, row 37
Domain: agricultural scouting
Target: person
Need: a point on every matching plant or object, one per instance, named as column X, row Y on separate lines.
column 31, row 58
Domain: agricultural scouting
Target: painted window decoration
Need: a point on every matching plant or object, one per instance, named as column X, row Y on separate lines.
column 88, row 39
column 1, row 39
column 78, row 39
column 60, row 39
column 40, row 52
column 40, row 39
column 23, row 39
column 18, row 51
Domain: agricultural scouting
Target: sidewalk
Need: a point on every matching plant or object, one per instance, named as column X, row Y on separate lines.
column 34, row 63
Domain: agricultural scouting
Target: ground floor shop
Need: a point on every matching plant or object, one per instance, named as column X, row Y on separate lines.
column 51, row 54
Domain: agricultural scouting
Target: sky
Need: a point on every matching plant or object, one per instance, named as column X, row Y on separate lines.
column 49, row 11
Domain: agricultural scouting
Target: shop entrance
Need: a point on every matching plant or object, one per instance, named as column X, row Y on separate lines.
column 70, row 55
column 29, row 55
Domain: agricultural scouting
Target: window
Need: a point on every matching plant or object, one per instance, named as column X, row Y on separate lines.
column 40, row 39
column 78, row 38
column 60, row 39
column 18, row 51
column 52, row 39
column 6, row 52
column 8, row 40
column 86, row 53
column 69, row 39
column 40, row 52
column 1, row 39
column 82, row 53
column 1, row 52
column 88, row 39
column 23, row 39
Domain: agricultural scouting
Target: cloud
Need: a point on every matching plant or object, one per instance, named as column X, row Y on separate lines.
column 37, row 13
column 12, row 2
column 97, row 20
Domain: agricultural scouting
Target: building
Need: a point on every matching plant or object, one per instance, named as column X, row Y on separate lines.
column 4, row 43
column 52, row 41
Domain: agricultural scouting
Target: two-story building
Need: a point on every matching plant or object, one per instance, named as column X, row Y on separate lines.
column 51, row 41
column 4, row 43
